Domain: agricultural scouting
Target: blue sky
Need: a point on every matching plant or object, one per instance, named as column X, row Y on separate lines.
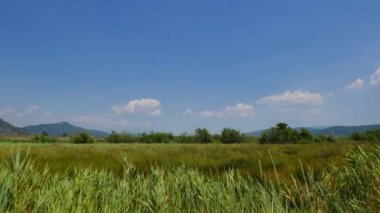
column 177, row 65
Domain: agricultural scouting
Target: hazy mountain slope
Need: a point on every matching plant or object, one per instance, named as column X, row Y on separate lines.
column 8, row 129
column 59, row 129
column 345, row 130
column 333, row 130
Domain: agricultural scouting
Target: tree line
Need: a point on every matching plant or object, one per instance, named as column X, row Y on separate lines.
column 200, row 135
column 279, row 134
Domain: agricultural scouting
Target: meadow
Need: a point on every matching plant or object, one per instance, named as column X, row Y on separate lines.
column 176, row 178
column 211, row 159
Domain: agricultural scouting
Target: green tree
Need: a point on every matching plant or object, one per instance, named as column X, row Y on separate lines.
column 231, row 136
column 114, row 137
column 282, row 134
column 82, row 137
column 305, row 135
column 43, row 139
column 202, row 135
column 184, row 138
column 157, row 137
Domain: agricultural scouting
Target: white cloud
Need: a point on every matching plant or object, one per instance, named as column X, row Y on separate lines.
column 375, row 77
column 239, row 110
column 209, row 113
column 144, row 106
column 7, row 111
column 101, row 120
column 293, row 98
column 188, row 112
column 356, row 85
column 29, row 110
column 302, row 111
column 48, row 113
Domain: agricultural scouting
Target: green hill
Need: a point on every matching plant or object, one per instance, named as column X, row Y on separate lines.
column 333, row 130
column 7, row 129
column 344, row 130
column 59, row 129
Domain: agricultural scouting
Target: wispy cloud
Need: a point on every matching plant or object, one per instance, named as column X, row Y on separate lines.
column 375, row 77
column 103, row 120
column 239, row 110
column 148, row 106
column 293, row 98
column 48, row 113
column 7, row 111
column 302, row 111
column 27, row 111
column 356, row 85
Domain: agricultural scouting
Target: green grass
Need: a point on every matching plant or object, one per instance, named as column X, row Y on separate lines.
column 208, row 158
column 352, row 187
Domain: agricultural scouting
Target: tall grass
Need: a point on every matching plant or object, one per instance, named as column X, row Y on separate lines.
column 352, row 188
column 63, row 158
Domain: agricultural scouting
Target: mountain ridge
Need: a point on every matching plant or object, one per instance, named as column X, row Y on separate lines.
column 62, row 128
column 8, row 129
column 338, row 130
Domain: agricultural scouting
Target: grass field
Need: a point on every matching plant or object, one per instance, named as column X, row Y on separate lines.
column 248, row 159
column 165, row 178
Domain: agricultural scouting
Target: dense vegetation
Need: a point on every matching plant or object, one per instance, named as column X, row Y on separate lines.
column 247, row 158
column 82, row 137
column 352, row 188
column 201, row 135
column 369, row 136
column 280, row 134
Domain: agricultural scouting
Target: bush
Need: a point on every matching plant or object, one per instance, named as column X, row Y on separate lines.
column 157, row 137
column 82, row 137
column 283, row 134
column 231, row 136
column 120, row 138
column 331, row 138
column 370, row 136
column 280, row 134
column 202, row 136
column 185, row 138
column 43, row 139
column 320, row 138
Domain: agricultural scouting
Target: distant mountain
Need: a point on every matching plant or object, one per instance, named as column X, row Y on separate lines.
column 8, row 129
column 333, row 130
column 59, row 129
column 344, row 130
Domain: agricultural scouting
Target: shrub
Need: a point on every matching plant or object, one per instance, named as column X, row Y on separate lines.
column 320, row 138
column 305, row 134
column 231, row 136
column 185, row 138
column 331, row 138
column 370, row 136
column 202, row 136
column 120, row 138
column 82, row 137
column 43, row 139
column 157, row 137
column 282, row 134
